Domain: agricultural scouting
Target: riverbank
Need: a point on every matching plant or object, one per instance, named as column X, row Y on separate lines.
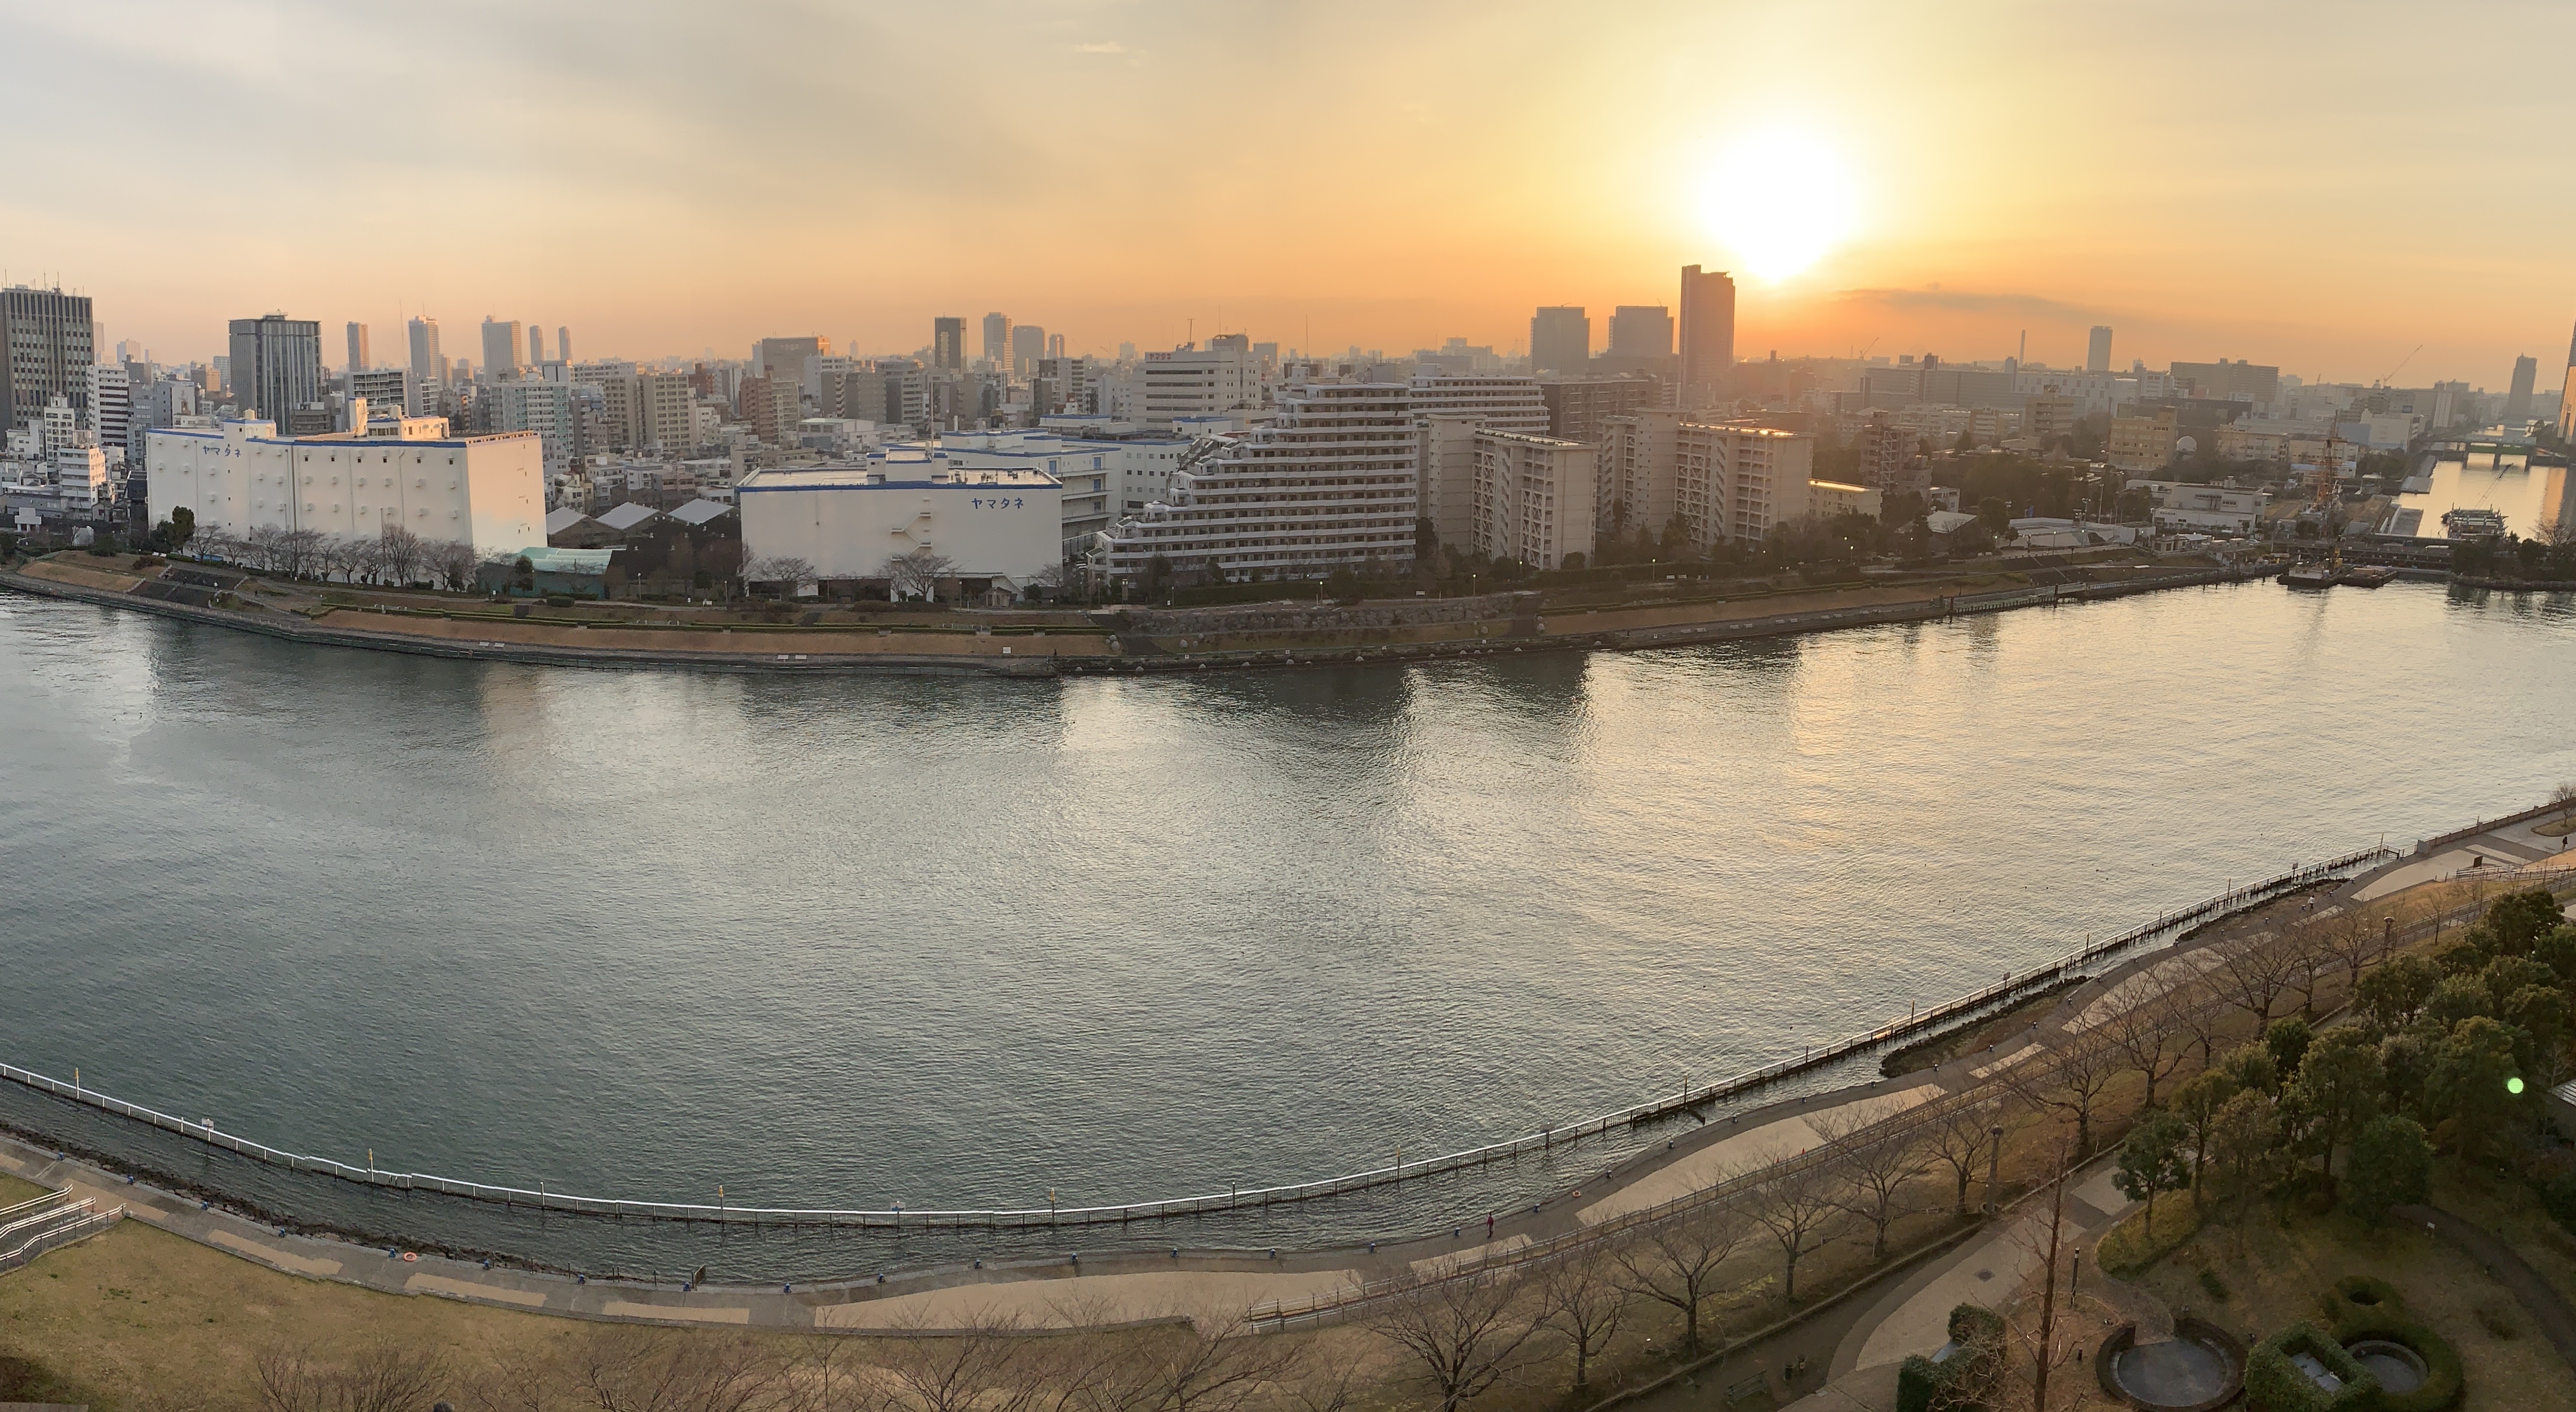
column 824, row 640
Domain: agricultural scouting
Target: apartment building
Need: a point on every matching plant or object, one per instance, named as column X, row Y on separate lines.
column 1532, row 497
column 1718, row 482
column 1201, row 382
column 1329, row 484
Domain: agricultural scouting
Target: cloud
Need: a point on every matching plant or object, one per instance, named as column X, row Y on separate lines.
column 1963, row 301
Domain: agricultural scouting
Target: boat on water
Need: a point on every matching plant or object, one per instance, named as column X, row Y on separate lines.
column 2369, row 576
column 2310, row 576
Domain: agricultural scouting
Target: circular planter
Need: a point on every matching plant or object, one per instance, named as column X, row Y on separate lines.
column 2202, row 1367
column 2399, row 1369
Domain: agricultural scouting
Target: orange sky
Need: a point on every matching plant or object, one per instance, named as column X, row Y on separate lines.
column 2320, row 186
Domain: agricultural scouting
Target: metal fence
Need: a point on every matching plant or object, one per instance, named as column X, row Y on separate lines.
column 31, row 1228
column 1543, row 1141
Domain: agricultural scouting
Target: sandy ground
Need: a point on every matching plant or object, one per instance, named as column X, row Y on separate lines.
column 1758, row 1147
column 1089, row 1300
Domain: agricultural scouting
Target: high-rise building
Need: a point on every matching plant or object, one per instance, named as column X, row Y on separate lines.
column 1641, row 331
column 1561, row 339
column 47, row 344
column 528, row 404
column 1714, row 483
column 1501, row 402
column 536, row 345
column 428, row 366
column 277, row 367
column 791, row 360
column 1028, row 345
column 359, row 353
column 1532, row 497
column 948, row 343
column 2097, row 350
column 2517, row 399
column 1330, row 484
column 563, row 344
column 1707, row 336
column 500, row 349
column 111, row 402
column 1202, row 382
column 997, row 340
column 1576, row 406
column 1055, row 345
column 385, row 390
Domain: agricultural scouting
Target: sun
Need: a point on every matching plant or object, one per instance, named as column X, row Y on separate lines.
column 1780, row 199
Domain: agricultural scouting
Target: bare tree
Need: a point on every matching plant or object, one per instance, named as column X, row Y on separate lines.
column 1798, row 1208
column 2564, row 798
column 1675, row 1261
column 2047, row 1346
column 918, row 573
column 1875, row 1170
column 400, row 551
column 452, row 560
column 299, row 552
column 1955, row 1138
column 985, row 1367
column 785, row 570
column 2070, row 1080
column 378, row 1377
column 517, row 1379
column 339, row 554
column 2201, row 1009
column 2354, row 941
column 2144, row 1035
column 629, row 1369
column 2254, row 972
column 1215, row 1363
column 1465, row 1333
column 1588, row 1305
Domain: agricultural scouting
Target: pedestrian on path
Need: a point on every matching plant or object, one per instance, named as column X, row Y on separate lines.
column 1489, row 1225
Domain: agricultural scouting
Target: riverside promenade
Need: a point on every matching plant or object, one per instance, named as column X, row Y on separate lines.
column 1099, row 1289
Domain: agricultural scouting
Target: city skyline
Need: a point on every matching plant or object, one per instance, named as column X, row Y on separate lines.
column 2259, row 197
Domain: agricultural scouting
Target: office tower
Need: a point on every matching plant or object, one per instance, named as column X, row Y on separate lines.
column 948, row 343
column 997, row 340
column 2517, row 399
column 1055, row 345
column 276, row 368
column 111, row 402
column 2097, row 350
column 359, row 351
column 428, row 366
column 1641, row 331
column 536, row 345
column 500, row 349
column 47, row 343
column 1561, row 340
column 1202, row 382
column 1707, row 336
column 1028, row 345
column 563, row 344
column 385, row 391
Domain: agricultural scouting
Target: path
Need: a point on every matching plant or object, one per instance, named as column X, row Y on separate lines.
column 2541, row 1299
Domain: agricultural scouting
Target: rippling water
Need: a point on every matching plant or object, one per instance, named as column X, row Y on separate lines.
column 965, row 943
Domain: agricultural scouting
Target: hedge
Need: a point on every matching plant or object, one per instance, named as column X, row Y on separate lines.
column 2371, row 1308
column 1920, row 1382
column 2274, row 1384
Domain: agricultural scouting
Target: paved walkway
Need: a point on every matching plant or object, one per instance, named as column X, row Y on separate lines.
column 2548, row 1308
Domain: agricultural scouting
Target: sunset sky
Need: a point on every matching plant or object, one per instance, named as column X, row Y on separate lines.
column 2322, row 186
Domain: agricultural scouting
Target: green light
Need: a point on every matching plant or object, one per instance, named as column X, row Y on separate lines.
column 2513, row 1085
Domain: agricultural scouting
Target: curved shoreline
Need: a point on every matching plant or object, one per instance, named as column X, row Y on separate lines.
column 1146, row 655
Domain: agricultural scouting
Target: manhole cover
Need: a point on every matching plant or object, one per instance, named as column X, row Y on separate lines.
column 1985, row 1274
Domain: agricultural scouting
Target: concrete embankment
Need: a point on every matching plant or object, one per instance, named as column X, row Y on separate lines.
column 1153, row 642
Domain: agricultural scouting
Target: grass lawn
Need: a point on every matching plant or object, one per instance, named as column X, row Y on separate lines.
column 2274, row 1275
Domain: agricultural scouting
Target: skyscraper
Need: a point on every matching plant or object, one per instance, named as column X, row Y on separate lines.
column 997, row 340
column 1641, row 331
column 2517, row 399
column 359, row 361
column 948, row 343
column 276, row 368
column 2097, row 350
column 1028, row 345
column 428, row 366
column 563, row 343
column 500, row 349
column 536, row 347
column 1708, row 336
column 1561, row 339
column 47, row 344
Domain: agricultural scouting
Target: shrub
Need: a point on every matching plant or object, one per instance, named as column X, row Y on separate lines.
column 2387, row 1319
column 1921, row 1384
column 2275, row 1384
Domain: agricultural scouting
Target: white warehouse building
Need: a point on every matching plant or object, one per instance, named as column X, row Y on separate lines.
column 488, row 491
column 1002, row 525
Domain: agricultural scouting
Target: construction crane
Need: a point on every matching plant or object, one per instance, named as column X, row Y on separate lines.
column 2328, row 496
column 2401, row 364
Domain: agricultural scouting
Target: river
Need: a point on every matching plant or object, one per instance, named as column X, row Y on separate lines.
column 968, row 943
